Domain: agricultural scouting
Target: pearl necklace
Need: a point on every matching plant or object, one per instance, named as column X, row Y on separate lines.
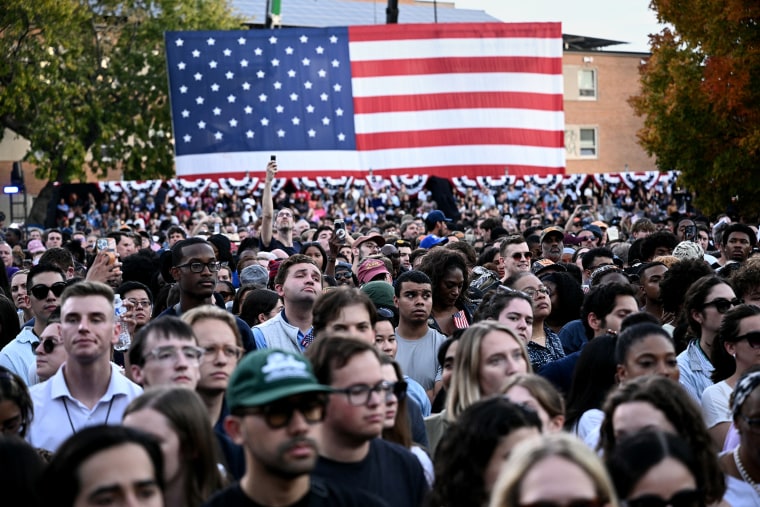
column 743, row 472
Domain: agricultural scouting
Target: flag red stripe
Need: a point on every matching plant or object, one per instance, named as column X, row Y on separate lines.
column 460, row 137
column 453, row 171
column 455, row 31
column 452, row 65
column 475, row 100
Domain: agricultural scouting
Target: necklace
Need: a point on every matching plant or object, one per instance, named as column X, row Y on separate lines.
column 745, row 476
column 71, row 423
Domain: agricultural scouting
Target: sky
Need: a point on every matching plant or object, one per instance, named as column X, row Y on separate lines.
column 622, row 20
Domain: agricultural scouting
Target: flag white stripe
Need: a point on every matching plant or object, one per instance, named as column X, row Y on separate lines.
column 378, row 160
column 437, row 48
column 502, row 82
column 458, row 119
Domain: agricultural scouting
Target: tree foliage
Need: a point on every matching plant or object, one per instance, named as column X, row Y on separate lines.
column 701, row 100
column 85, row 81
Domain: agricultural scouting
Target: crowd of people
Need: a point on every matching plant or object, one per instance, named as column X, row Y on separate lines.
column 273, row 352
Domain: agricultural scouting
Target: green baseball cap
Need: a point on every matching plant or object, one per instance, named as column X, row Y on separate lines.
column 268, row 375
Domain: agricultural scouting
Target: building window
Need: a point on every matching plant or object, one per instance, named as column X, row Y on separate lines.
column 588, row 142
column 587, row 83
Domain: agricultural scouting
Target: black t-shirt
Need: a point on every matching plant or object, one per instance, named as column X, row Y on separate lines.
column 320, row 494
column 389, row 471
column 275, row 244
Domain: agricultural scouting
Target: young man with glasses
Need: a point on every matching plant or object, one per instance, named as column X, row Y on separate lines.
column 195, row 268
column 88, row 389
column 277, row 407
column 219, row 338
column 352, row 454
column 165, row 352
column 45, row 284
column 515, row 255
column 139, row 299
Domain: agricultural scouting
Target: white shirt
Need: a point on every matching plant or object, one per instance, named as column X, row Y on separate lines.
column 58, row 415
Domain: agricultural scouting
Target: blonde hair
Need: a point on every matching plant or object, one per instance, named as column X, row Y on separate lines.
column 526, row 455
column 213, row 312
column 465, row 383
column 541, row 389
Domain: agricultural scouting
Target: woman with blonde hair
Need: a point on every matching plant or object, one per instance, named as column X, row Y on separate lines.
column 537, row 394
column 556, row 469
column 488, row 354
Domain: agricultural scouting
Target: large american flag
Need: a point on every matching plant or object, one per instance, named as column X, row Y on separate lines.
column 439, row 99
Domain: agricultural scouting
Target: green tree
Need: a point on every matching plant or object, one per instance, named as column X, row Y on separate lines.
column 85, row 82
column 700, row 100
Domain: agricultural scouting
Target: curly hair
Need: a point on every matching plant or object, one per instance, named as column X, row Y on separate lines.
column 569, row 297
column 437, row 263
column 746, row 279
column 681, row 411
column 462, row 456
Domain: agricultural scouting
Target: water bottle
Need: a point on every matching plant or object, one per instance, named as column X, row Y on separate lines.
column 119, row 310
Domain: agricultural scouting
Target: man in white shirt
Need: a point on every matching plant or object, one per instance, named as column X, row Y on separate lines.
column 87, row 390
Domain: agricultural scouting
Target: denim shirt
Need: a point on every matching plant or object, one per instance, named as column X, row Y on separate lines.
column 695, row 371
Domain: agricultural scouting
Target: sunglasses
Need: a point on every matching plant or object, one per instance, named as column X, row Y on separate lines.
column 41, row 291
column 343, row 275
column 684, row 498
column 520, row 255
column 752, row 338
column 722, row 305
column 49, row 344
column 279, row 414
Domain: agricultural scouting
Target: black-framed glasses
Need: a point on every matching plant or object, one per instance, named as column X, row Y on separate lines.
column 279, row 413
column 722, row 305
column 41, row 291
column 170, row 354
column 197, row 267
column 683, row 498
column 753, row 339
column 139, row 303
column 49, row 345
column 360, row 394
column 342, row 275
column 534, row 293
column 520, row 255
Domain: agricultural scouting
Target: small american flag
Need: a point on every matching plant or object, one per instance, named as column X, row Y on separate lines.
column 460, row 320
column 443, row 99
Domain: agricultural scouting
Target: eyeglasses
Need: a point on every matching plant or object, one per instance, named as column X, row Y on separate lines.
column 360, row 394
column 49, row 345
column 533, row 293
column 197, row 267
column 343, row 275
column 139, row 303
column 684, row 498
column 370, row 245
column 520, row 255
column 722, row 305
column 592, row 502
column 41, row 291
column 753, row 339
column 586, row 238
column 229, row 351
column 279, row 414
column 170, row 355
